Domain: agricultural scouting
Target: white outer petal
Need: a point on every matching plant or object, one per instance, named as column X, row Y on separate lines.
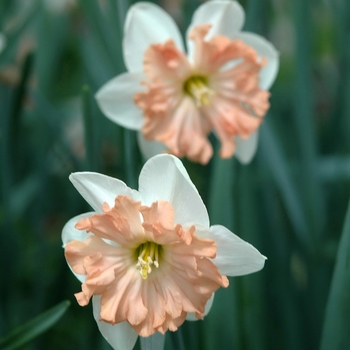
column 234, row 257
column 146, row 24
column 265, row 49
column 245, row 149
column 191, row 316
column 116, row 100
column 226, row 17
column 97, row 188
column 164, row 177
column 120, row 336
column 70, row 233
column 150, row 148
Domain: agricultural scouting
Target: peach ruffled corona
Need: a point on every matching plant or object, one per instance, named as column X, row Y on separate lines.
column 185, row 101
column 149, row 272
column 175, row 99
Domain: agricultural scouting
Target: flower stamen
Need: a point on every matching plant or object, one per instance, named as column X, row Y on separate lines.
column 148, row 254
column 197, row 88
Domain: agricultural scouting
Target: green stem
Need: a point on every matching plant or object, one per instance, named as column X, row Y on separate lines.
column 304, row 122
column 90, row 136
column 129, row 157
column 336, row 329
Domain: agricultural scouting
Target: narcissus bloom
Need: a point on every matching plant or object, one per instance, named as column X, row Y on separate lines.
column 177, row 99
column 149, row 258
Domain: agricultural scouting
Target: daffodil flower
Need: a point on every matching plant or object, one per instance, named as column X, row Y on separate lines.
column 175, row 99
column 149, row 258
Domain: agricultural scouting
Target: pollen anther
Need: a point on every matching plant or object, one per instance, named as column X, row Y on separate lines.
column 197, row 88
column 148, row 255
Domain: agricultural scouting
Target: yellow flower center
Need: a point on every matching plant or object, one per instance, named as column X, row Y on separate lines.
column 148, row 255
column 197, row 87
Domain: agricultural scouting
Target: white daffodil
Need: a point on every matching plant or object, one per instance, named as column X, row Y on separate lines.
column 176, row 99
column 149, row 258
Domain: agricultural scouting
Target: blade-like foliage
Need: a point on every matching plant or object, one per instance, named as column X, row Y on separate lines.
column 34, row 327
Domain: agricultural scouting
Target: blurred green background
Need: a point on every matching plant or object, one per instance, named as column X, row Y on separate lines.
column 290, row 202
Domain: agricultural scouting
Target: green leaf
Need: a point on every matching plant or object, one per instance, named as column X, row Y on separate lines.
column 227, row 306
column 221, row 189
column 90, row 137
column 276, row 161
column 154, row 342
column 304, row 121
column 30, row 330
column 336, row 328
column 108, row 31
column 14, row 34
column 129, row 157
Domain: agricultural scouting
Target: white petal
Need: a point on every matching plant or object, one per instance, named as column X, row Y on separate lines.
column 154, row 342
column 234, row 257
column 96, row 189
column 146, row 24
column 150, row 148
column 70, row 233
column 191, row 316
column 245, row 149
column 120, row 336
column 226, row 18
column 116, row 100
column 164, row 177
column 265, row 49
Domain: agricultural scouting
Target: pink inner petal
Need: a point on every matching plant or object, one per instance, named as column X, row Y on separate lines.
column 170, row 115
column 181, row 280
column 161, row 212
column 121, row 224
column 98, row 260
column 211, row 55
column 239, row 104
column 182, row 129
column 164, row 62
column 121, row 301
column 156, row 311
